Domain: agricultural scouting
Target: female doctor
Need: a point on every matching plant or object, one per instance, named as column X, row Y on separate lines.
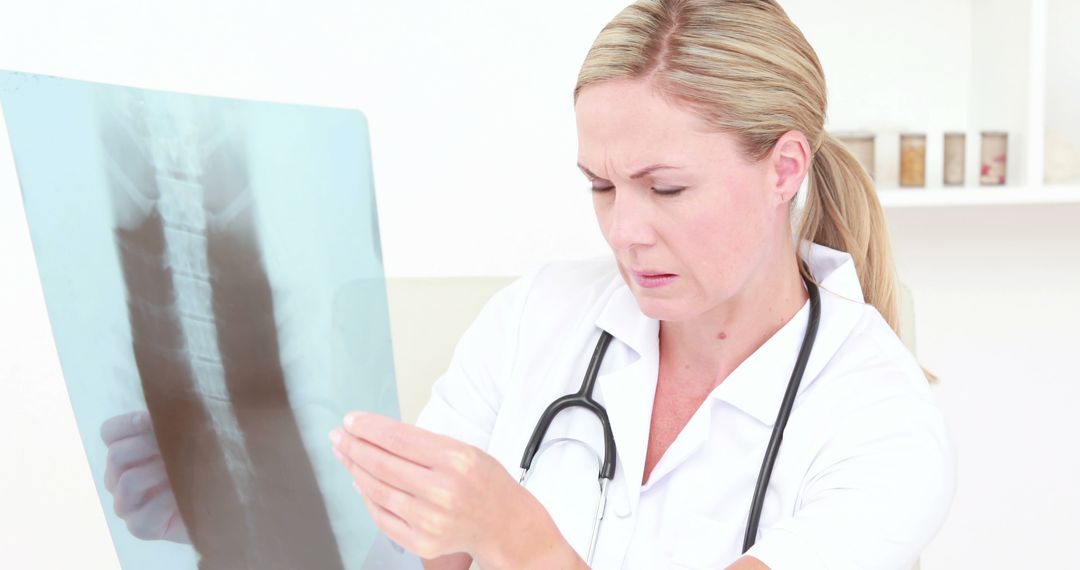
column 697, row 120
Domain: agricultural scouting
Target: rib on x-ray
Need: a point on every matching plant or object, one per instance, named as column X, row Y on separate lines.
column 212, row 273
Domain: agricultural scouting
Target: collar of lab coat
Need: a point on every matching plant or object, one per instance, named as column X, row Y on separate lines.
column 757, row 385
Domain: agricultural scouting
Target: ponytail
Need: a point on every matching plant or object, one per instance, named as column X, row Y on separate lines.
column 842, row 212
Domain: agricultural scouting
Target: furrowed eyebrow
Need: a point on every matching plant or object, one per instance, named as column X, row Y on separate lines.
column 643, row 172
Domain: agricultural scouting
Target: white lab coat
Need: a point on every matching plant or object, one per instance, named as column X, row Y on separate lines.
column 863, row 480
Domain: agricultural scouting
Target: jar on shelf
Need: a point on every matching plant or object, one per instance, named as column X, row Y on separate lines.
column 912, row 160
column 1061, row 160
column 994, row 158
column 861, row 146
column 954, row 159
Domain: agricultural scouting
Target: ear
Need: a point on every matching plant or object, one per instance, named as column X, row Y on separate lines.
column 788, row 163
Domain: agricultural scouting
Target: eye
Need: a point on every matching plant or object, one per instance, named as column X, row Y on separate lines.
column 661, row 191
column 668, row 191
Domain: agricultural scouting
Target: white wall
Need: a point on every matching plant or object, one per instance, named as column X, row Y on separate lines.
column 474, row 149
column 1063, row 75
column 997, row 298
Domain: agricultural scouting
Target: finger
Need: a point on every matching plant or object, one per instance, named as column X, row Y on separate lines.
column 386, row 466
column 152, row 520
column 386, row 495
column 138, row 485
column 422, row 519
column 128, row 453
column 113, row 470
column 175, row 529
column 394, row 527
column 163, row 504
column 125, row 425
column 415, row 444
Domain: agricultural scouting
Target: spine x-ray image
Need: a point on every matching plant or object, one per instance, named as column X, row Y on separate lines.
column 212, row 273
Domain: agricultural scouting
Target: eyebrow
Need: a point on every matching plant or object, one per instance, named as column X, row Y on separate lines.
column 634, row 176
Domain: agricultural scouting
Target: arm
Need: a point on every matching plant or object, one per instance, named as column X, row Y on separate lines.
column 875, row 494
column 747, row 563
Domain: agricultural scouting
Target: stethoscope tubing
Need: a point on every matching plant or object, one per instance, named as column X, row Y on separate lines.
column 773, row 448
column 583, row 398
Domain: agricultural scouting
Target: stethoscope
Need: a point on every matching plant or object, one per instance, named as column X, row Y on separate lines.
column 583, row 399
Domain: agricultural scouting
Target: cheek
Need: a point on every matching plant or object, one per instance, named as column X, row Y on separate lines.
column 721, row 240
column 720, row 234
column 712, row 248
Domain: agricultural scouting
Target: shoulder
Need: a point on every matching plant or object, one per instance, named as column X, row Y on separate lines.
column 588, row 277
column 873, row 393
column 564, row 287
column 516, row 330
column 872, row 366
column 543, row 304
column 554, row 285
column 876, row 443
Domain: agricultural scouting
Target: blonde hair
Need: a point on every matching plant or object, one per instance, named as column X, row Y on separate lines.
column 747, row 70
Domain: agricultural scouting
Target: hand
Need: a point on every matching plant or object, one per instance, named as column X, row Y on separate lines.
column 135, row 476
column 434, row 496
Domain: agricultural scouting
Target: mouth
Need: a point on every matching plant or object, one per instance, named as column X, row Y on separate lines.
column 652, row 279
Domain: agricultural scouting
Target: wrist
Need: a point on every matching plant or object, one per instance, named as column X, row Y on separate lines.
column 535, row 543
column 538, row 553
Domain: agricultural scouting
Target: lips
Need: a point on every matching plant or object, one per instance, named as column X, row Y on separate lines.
column 651, row 279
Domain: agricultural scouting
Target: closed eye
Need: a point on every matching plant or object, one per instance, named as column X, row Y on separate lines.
column 661, row 191
column 668, row 191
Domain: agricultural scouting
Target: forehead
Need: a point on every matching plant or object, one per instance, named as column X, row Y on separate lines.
column 626, row 122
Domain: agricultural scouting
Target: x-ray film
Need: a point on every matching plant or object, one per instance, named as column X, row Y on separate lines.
column 213, row 279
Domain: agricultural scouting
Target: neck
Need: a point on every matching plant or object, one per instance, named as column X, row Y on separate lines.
column 712, row 344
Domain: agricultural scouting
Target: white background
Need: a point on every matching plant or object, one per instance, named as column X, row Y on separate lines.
column 474, row 148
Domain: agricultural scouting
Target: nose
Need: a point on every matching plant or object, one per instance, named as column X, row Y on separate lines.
column 629, row 220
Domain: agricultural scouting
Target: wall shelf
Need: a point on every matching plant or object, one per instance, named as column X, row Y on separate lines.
column 978, row 65
column 977, row 196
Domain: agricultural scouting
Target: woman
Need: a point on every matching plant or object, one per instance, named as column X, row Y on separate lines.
column 698, row 120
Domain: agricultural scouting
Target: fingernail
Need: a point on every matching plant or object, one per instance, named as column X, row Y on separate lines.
column 340, row 456
column 335, row 436
column 350, row 419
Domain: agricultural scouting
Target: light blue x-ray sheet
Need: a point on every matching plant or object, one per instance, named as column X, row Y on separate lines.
column 213, row 279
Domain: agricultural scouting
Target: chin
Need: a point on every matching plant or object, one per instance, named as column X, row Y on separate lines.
column 661, row 309
column 661, row 304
